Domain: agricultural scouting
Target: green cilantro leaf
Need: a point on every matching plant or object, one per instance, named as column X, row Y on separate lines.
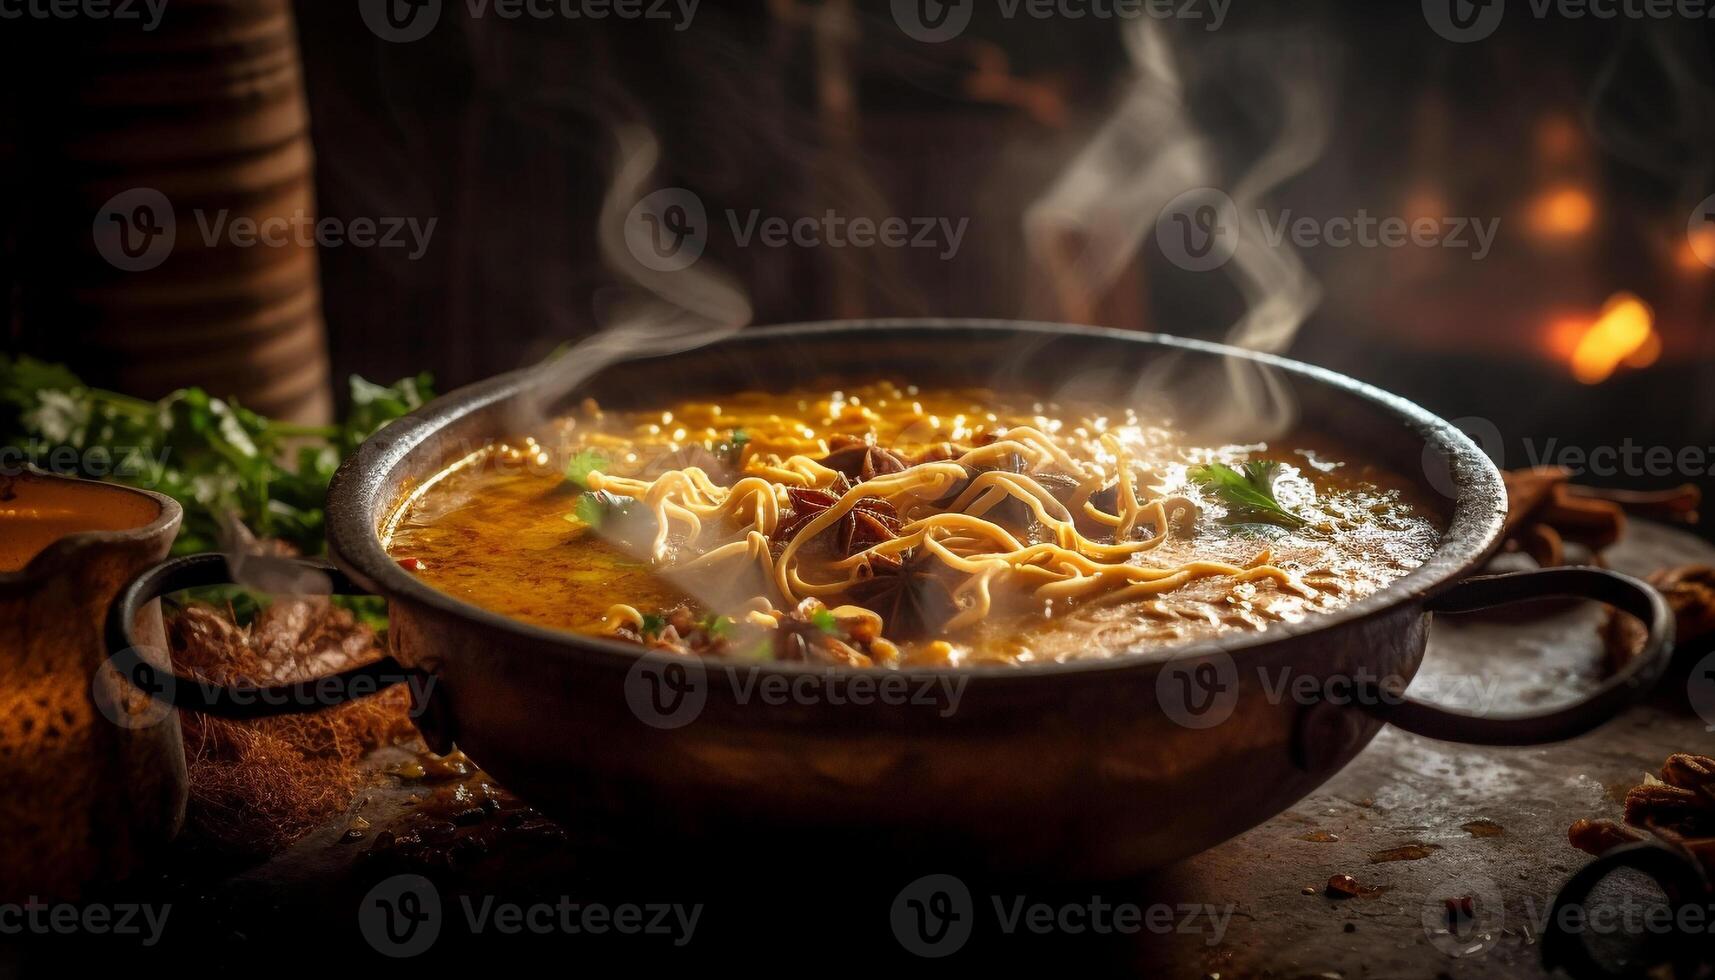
column 1249, row 495
column 579, row 468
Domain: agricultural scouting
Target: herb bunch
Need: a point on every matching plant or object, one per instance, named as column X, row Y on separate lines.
column 219, row 460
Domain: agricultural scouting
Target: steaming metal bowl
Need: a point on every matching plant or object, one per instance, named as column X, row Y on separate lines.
column 1078, row 769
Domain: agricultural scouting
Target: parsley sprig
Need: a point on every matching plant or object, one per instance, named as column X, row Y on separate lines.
column 1248, row 494
column 218, row 459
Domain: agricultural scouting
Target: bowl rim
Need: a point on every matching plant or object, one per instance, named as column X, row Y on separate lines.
column 65, row 549
column 358, row 503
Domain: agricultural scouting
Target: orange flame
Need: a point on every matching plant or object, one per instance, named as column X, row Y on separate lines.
column 1624, row 333
column 1563, row 212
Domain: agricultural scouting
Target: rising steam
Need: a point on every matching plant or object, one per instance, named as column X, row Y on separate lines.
column 1087, row 229
column 663, row 312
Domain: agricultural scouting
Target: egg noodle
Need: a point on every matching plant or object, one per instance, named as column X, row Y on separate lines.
column 957, row 473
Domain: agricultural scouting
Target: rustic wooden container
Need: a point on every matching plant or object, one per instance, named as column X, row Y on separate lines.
column 208, row 110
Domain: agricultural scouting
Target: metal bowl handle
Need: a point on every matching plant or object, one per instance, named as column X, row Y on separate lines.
column 1679, row 877
column 1555, row 724
column 237, row 702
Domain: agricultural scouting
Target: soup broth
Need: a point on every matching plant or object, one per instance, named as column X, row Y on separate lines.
column 883, row 526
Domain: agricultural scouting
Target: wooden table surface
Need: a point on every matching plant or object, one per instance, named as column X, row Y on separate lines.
column 1468, row 821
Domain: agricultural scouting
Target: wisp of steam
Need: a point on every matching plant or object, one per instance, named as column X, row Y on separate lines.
column 1148, row 153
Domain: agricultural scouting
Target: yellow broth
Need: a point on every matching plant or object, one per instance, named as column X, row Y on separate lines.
column 500, row 528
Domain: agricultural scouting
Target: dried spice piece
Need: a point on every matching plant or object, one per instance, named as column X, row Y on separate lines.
column 1601, row 836
column 1690, row 593
column 1678, row 810
column 1686, row 811
column 809, row 634
column 913, row 597
column 1678, row 505
column 870, row 521
column 863, row 462
column 1694, row 772
column 257, row 786
column 1545, row 510
column 1542, row 514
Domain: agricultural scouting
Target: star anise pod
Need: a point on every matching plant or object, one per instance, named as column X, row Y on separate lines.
column 870, row 521
column 913, row 595
column 863, row 462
